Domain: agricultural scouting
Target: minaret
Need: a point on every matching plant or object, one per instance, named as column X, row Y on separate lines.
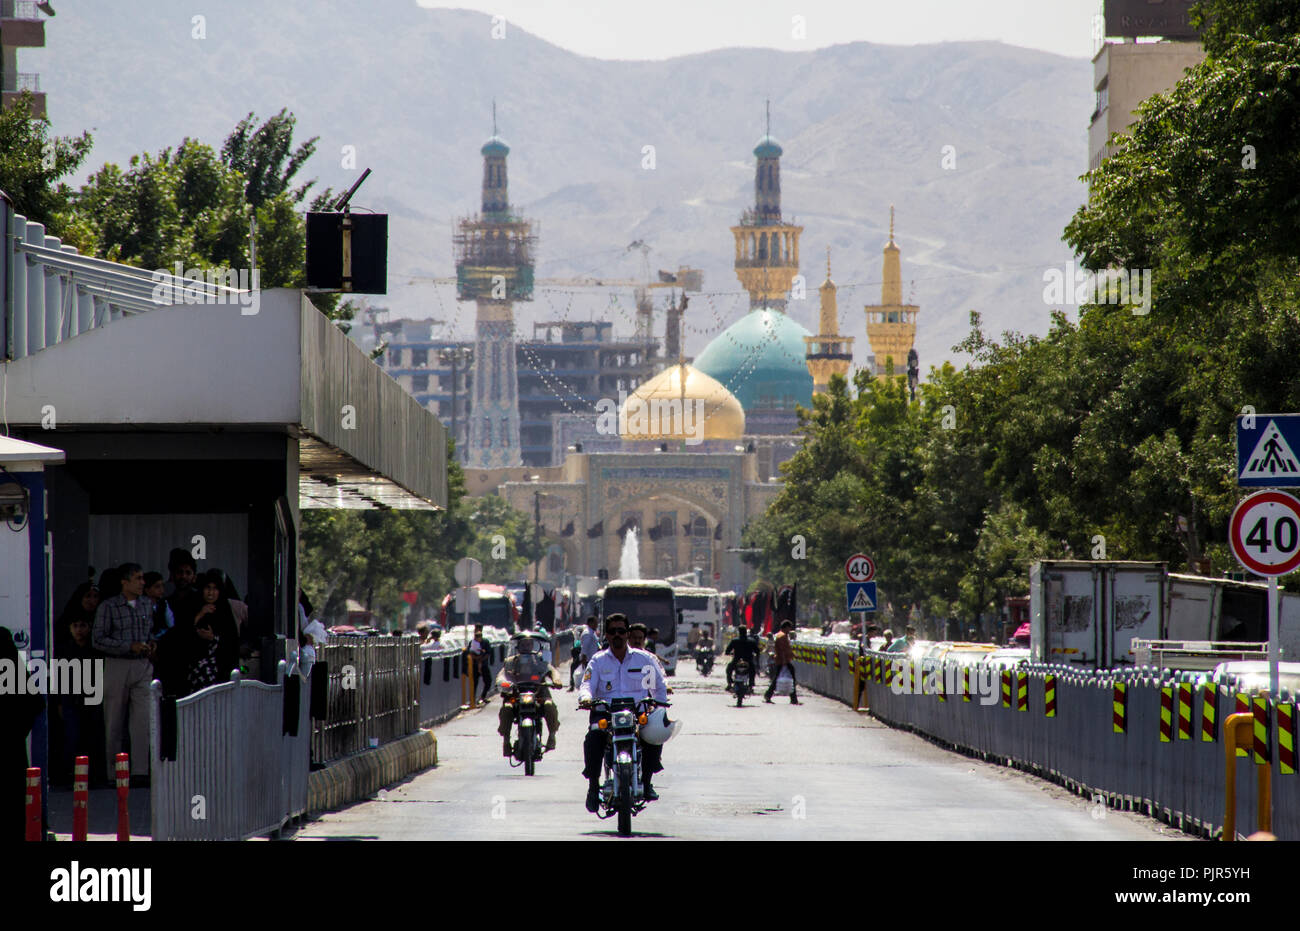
column 891, row 324
column 828, row 353
column 767, row 250
column 494, row 268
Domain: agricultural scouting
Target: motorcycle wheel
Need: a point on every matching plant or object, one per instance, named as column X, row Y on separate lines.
column 740, row 696
column 624, row 800
column 527, row 741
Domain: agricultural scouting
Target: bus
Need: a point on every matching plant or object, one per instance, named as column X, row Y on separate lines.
column 497, row 608
column 700, row 606
column 651, row 602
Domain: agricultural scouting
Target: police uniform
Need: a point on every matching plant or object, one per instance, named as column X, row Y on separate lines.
column 637, row 676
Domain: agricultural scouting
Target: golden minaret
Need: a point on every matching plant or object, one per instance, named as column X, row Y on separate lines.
column 891, row 324
column 828, row 353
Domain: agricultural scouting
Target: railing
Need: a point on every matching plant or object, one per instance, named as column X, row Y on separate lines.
column 373, row 694
column 230, row 761
column 1127, row 738
column 15, row 82
column 54, row 293
column 18, row 9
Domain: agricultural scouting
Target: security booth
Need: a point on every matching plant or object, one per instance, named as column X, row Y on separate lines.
column 25, row 560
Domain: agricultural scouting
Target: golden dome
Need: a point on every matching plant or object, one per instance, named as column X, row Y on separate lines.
column 665, row 409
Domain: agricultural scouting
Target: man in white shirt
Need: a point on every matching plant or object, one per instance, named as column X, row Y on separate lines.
column 619, row 672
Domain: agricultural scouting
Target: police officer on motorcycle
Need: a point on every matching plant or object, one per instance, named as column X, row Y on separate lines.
column 527, row 665
column 621, row 671
column 742, row 648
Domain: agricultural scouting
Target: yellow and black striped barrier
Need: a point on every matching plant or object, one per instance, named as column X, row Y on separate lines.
column 1209, row 712
column 1184, row 711
column 1119, row 702
column 1022, row 691
column 1166, row 714
column 1049, row 695
column 1286, row 738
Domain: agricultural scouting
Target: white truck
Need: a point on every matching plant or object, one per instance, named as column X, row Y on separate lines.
column 1088, row 613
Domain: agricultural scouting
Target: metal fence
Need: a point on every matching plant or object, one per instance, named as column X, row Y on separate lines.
column 230, row 761
column 442, row 672
column 373, row 694
column 1129, row 738
column 52, row 292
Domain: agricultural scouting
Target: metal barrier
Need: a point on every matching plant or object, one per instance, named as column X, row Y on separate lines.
column 441, row 672
column 373, row 694
column 230, row 761
column 54, row 293
column 1130, row 738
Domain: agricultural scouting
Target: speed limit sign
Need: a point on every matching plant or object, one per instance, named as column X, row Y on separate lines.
column 860, row 568
column 1265, row 533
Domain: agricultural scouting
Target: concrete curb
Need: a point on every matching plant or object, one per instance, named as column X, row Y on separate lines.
column 360, row 776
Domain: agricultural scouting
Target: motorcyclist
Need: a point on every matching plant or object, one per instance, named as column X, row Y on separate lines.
column 703, row 650
column 621, row 671
column 743, row 647
column 527, row 665
column 652, row 754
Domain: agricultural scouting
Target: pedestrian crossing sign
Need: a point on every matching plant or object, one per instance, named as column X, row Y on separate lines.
column 1266, row 450
column 861, row 596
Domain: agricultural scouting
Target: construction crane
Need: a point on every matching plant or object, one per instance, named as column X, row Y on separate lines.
column 687, row 279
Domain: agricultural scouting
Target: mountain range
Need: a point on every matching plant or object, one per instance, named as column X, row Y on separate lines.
column 979, row 146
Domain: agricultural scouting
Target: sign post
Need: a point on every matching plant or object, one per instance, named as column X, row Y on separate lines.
column 860, row 592
column 1265, row 537
column 468, row 572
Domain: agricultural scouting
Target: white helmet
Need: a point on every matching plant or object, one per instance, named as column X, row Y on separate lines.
column 658, row 729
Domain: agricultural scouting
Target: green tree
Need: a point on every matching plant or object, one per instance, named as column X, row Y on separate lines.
column 33, row 165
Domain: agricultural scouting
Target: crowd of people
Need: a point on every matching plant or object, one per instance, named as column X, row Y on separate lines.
column 187, row 630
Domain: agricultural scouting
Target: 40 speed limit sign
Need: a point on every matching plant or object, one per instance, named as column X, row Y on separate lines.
column 1265, row 533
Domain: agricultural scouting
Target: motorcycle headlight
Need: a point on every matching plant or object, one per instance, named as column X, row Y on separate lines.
column 623, row 719
column 527, row 699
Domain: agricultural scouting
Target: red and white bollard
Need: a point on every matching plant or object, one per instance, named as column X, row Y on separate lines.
column 80, row 797
column 33, row 803
column 122, row 766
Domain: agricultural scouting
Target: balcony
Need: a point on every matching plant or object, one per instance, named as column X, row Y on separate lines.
column 24, row 26
column 12, row 86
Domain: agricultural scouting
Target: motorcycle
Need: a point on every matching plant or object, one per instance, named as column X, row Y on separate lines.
column 704, row 660
column 527, row 725
column 742, row 682
column 621, row 790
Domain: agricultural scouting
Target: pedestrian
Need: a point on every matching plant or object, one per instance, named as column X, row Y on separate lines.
column 80, row 727
column 122, row 630
column 590, row 642
column 652, row 642
column 783, row 658
column 18, row 712
column 575, row 661
column 481, row 651
column 182, row 570
column 164, row 619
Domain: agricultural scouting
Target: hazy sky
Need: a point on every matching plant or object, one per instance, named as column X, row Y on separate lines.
column 666, row 28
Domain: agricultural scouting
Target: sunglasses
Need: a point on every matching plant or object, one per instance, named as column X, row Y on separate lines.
column 616, row 631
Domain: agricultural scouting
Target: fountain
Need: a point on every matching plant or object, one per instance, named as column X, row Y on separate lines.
column 629, row 561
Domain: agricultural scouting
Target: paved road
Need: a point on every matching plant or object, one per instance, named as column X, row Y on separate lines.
column 816, row 771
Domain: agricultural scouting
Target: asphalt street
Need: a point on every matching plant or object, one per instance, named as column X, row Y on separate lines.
column 815, row 771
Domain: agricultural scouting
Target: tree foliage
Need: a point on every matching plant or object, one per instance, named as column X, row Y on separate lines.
column 1111, row 434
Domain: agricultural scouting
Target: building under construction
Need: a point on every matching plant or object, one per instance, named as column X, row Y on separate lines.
column 561, row 372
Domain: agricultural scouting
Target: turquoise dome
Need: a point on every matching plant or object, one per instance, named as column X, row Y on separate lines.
column 767, row 147
column 495, row 146
column 760, row 359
